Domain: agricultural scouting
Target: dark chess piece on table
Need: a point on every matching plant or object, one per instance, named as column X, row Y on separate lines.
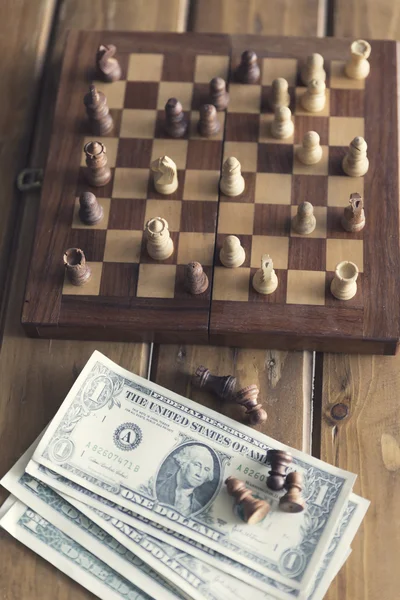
column 98, row 112
column 108, row 68
column 90, row 211
column 279, row 461
column 223, row 387
column 78, row 272
column 196, row 281
column 353, row 218
column 248, row 70
column 208, row 123
column 97, row 173
column 219, row 97
column 175, row 121
column 247, row 397
column 254, row 510
column 292, row 501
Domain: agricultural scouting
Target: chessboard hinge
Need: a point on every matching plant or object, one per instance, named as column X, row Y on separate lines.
column 29, row 179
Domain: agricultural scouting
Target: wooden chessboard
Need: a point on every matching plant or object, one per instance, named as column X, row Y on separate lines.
column 130, row 296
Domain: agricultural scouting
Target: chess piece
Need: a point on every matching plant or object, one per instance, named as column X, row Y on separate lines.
column 223, row 387
column 247, row 397
column 97, row 173
column 232, row 253
column 107, row 66
column 219, row 97
column 78, row 271
column 232, row 182
column 90, row 211
column 353, row 218
column 208, row 124
column 248, row 70
column 358, row 66
column 175, row 121
column 254, row 510
column 313, row 100
column 282, row 126
column 310, row 152
column 279, row 461
column 165, row 175
column 344, row 283
column 279, row 93
column 304, row 221
column 159, row 243
column 355, row 163
column 98, row 112
column 196, row 281
column 292, row 501
column 313, row 69
column 265, row 280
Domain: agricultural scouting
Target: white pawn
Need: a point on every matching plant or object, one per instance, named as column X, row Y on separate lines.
column 232, row 182
column 304, row 221
column 355, row 163
column 279, row 93
column 265, row 280
column 310, row 152
column 159, row 243
column 358, row 66
column 344, row 284
column 232, row 253
column 313, row 69
column 165, row 175
column 282, row 126
column 313, row 100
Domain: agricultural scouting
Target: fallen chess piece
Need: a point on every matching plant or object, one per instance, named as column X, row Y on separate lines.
column 165, row 175
column 159, row 243
column 97, row 173
column 247, row 397
column 219, row 97
column 248, row 70
column 358, row 66
column 355, row 163
column 196, row 281
column 78, row 271
column 353, row 218
column 254, row 510
column 108, row 67
column 292, row 501
column 100, row 120
column 279, row 461
column 223, row 387
column 344, row 283
column 265, row 280
column 313, row 69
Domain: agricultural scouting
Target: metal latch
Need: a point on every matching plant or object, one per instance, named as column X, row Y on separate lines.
column 29, row 179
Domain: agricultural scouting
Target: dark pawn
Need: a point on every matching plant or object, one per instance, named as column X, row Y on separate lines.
column 98, row 112
column 196, row 281
column 279, row 461
column 247, row 397
column 254, row 509
column 97, row 173
column 292, row 501
column 175, row 122
column 208, row 123
column 248, row 71
column 78, row 272
column 107, row 66
column 218, row 94
column 90, row 212
column 223, row 387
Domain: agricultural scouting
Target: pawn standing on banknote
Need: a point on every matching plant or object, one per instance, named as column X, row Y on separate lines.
column 293, row 501
column 254, row 510
column 279, row 461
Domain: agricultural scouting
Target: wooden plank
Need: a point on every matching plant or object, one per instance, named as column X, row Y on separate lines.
column 264, row 17
column 36, row 374
column 367, row 19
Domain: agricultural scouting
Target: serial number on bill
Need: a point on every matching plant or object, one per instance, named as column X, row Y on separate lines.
column 96, row 449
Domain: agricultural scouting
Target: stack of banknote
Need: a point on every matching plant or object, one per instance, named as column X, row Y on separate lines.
column 124, row 492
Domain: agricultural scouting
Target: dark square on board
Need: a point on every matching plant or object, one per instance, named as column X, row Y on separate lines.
column 204, row 155
column 91, row 241
column 336, row 155
column 127, row 213
column 307, row 254
column 318, row 124
column 198, row 216
column 275, row 158
column 311, row 189
column 272, row 219
column 242, row 127
column 277, row 297
column 134, row 153
column 178, row 66
column 347, row 103
column 334, row 228
column 119, row 279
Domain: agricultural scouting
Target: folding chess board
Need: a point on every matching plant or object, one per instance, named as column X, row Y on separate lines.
column 132, row 297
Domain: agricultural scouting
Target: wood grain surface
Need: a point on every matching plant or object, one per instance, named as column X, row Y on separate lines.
column 367, row 19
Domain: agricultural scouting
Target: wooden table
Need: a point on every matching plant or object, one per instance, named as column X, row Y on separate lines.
column 298, row 390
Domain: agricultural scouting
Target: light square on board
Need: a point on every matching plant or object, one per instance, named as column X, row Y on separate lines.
column 175, row 89
column 265, row 134
column 306, row 287
column 175, row 149
column 235, row 218
column 156, row 281
column 138, row 123
column 343, row 129
column 320, row 214
column 201, row 185
column 130, row 183
column 245, row 152
column 276, row 247
column 273, row 188
column 145, row 67
column 103, row 224
column 320, row 168
column 111, row 146
column 272, row 68
column 299, row 110
column 170, row 210
column 231, row 284
column 91, row 287
column 114, row 92
column 244, row 98
column 123, row 246
column 196, row 246
column 340, row 80
column 338, row 250
column 340, row 188
column 193, row 131
column 208, row 67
